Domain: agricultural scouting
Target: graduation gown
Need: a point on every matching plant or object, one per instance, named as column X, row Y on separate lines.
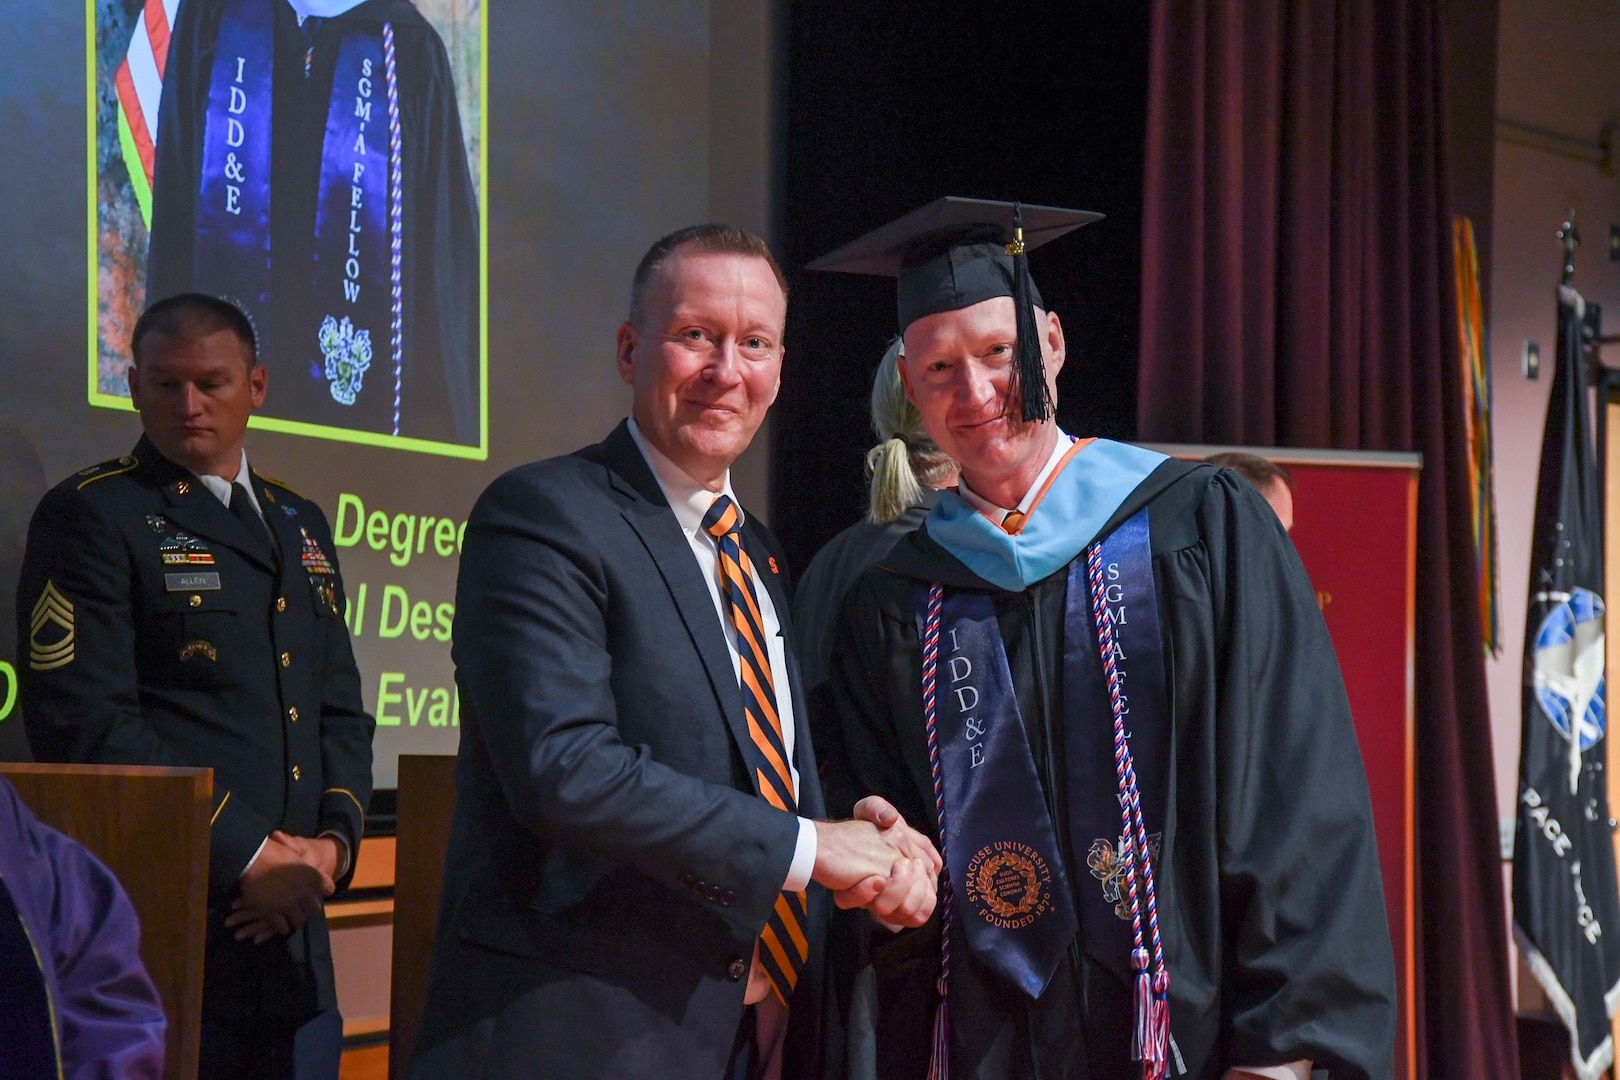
column 438, row 388
column 1270, row 898
column 77, row 1001
column 837, row 566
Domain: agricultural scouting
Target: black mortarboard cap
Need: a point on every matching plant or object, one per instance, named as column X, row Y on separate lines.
column 954, row 253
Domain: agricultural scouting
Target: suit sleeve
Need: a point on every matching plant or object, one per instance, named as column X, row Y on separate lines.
column 346, row 731
column 1310, row 973
column 80, row 702
column 533, row 658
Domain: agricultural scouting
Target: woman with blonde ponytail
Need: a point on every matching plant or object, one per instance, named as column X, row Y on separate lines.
column 906, row 469
column 906, row 465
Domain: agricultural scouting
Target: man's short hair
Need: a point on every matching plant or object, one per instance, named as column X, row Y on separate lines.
column 191, row 316
column 710, row 239
column 1252, row 467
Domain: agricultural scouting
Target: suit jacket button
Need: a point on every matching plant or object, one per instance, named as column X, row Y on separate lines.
column 296, row 774
column 736, row 970
column 700, row 887
column 292, row 713
column 728, row 898
column 281, row 604
column 685, row 881
column 286, row 659
column 196, row 600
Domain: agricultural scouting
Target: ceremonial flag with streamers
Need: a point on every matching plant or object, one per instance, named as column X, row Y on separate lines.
column 140, row 84
column 1565, row 912
column 1476, row 382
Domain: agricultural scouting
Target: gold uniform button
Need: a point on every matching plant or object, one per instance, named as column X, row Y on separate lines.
column 196, row 600
column 286, row 659
column 296, row 774
column 281, row 604
column 292, row 714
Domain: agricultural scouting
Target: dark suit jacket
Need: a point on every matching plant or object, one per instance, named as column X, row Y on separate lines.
column 159, row 633
column 610, row 864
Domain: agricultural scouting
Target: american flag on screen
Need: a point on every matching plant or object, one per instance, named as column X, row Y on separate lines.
column 139, row 84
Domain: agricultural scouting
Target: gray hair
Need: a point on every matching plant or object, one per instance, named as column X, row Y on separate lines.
column 906, row 460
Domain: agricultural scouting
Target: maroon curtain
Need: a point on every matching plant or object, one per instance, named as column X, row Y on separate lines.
column 1297, row 290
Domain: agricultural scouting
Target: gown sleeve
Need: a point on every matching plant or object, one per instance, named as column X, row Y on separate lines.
column 1309, row 972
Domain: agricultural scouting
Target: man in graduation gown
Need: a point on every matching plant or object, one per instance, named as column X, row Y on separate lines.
column 310, row 167
column 1158, row 842
column 78, row 1003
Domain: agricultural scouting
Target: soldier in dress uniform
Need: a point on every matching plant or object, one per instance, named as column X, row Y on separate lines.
column 181, row 609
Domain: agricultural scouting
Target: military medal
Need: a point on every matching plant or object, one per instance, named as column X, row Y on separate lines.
column 322, row 574
column 182, row 549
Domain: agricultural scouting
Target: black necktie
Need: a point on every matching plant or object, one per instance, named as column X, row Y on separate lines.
column 244, row 512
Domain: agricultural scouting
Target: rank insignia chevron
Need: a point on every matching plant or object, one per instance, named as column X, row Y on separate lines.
column 53, row 609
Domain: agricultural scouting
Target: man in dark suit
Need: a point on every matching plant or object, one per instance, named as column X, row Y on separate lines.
column 628, row 883
column 180, row 609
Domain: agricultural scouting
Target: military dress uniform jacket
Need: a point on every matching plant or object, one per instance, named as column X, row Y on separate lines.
column 161, row 632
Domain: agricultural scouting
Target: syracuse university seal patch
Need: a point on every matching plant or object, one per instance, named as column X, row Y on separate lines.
column 1009, row 885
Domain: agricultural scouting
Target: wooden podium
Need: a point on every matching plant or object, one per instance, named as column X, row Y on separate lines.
column 149, row 825
column 427, row 801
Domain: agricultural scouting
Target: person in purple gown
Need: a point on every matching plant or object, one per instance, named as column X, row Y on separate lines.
column 76, row 1000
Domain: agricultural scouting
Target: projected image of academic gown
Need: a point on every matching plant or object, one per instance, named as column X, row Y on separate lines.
column 311, row 167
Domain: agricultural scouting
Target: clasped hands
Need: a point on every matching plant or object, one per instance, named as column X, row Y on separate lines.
column 284, row 886
column 878, row 862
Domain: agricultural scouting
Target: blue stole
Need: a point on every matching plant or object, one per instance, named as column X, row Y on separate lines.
column 1008, row 892
column 1098, row 830
column 232, row 248
column 1006, row 873
column 356, row 284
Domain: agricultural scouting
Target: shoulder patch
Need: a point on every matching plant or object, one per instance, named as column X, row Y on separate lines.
column 283, row 485
column 115, row 467
column 50, row 630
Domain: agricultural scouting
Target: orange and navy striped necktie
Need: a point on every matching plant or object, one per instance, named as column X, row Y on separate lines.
column 784, row 947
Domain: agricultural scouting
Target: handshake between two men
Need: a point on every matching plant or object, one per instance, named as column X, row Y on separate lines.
column 873, row 861
column 878, row 862
column 285, row 885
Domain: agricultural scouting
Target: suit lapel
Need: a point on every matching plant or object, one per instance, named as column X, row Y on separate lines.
column 654, row 522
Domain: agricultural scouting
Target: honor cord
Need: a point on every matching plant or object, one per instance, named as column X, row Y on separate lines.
column 1151, row 1030
column 396, row 215
column 939, row 1060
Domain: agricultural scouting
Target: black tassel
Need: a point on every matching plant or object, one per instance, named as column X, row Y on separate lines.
column 1031, row 370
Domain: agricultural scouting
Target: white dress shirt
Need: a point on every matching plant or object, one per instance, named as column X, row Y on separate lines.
column 221, row 487
column 690, row 500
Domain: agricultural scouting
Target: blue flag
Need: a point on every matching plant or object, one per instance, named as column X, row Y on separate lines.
column 1565, row 912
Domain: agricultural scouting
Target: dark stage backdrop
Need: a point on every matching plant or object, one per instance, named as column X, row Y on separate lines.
column 890, row 106
column 598, row 141
column 1298, row 291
